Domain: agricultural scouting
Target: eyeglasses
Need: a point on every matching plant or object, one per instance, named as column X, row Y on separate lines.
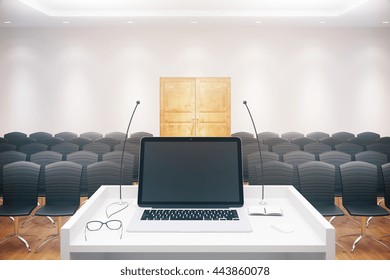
column 97, row 225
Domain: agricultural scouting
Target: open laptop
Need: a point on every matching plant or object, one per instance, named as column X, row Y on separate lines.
column 190, row 185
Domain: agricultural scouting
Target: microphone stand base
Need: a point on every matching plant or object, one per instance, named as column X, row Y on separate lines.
column 122, row 206
column 263, row 202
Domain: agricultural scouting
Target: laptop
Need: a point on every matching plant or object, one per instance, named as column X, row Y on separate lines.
column 190, row 185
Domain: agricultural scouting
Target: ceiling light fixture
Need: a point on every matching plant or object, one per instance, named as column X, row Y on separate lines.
column 65, row 22
column 194, row 22
column 385, row 22
column 7, row 22
column 258, row 22
column 130, row 22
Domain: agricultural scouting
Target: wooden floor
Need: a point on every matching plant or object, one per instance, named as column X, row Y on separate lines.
column 40, row 228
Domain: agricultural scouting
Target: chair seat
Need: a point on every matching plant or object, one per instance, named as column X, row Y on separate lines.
column 57, row 210
column 16, row 210
column 366, row 210
column 329, row 210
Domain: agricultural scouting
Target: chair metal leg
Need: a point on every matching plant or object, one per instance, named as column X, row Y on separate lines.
column 17, row 235
column 52, row 236
column 370, row 218
column 363, row 234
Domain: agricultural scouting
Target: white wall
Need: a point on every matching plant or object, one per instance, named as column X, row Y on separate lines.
column 88, row 79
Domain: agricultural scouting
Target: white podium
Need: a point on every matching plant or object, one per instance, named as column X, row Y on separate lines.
column 301, row 233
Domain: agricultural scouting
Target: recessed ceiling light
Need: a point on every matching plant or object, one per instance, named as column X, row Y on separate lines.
column 65, row 22
column 385, row 22
column 322, row 22
column 194, row 22
column 258, row 22
column 130, row 22
column 7, row 22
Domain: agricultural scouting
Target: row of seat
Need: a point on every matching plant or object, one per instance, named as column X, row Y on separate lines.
column 94, row 172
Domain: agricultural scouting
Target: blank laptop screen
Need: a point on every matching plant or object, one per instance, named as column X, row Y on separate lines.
column 190, row 172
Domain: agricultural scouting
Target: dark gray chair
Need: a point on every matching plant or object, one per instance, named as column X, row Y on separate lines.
column 98, row 148
column 20, row 194
column 317, row 135
column 80, row 141
column 128, row 164
column 6, row 158
column 3, row 140
column 381, row 148
column 336, row 158
column 247, row 149
column 93, row 135
column 84, row 158
column 133, row 149
column 40, row 135
column 50, row 141
column 331, row 141
column 116, row 135
column 386, row 179
column 62, row 193
column 242, row 134
column 112, row 142
column 359, row 181
column 316, row 148
column 140, row 135
column 273, row 141
column 343, row 135
column 284, row 148
column 102, row 173
column 275, row 173
column 350, row 148
column 382, row 140
column 296, row 158
column 292, row 135
column 32, row 148
column 254, row 161
column 368, row 135
column 267, row 135
column 317, row 182
column 65, row 148
column 14, row 135
column 301, row 142
column 21, row 141
column 4, row 147
column 65, row 135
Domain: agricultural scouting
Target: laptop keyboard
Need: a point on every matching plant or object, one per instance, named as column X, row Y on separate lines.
column 190, row 214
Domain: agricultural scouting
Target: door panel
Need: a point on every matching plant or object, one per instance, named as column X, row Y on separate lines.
column 195, row 107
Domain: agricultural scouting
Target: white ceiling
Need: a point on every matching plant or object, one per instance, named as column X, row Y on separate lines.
column 51, row 13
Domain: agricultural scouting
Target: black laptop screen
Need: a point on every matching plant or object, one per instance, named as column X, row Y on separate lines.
column 190, row 172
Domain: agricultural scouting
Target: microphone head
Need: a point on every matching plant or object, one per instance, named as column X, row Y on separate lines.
column 138, row 102
column 244, row 102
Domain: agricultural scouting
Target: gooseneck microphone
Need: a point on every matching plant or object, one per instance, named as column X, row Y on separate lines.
column 262, row 202
column 122, row 203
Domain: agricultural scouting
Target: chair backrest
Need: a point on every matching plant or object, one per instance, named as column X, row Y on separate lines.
column 378, row 159
column 386, row 179
column 243, row 134
column 21, row 141
column 80, row 141
column 84, row 158
column 336, row 158
column 296, row 158
column 65, row 135
column 14, row 135
column 51, row 141
column 7, row 147
column 128, row 164
column 331, row 141
column 284, row 148
column 6, row 158
column 253, row 160
column 359, row 183
column 140, row 134
column 40, row 135
column 317, row 135
column 292, row 135
column 32, row 148
column 274, row 141
column 63, row 183
column 380, row 147
column 109, row 141
column 302, row 141
column 116, row 135
column 317, row 148
column 349, row 148
column 343, row 135
column 93, row 135
column 133, row 149
column 65, row 148
column 102, row 173
column 383, row 140
column 247, row 149
column 267, row 135
column 21, row 183
column 44, row 158
column 317, row 182
column 368, row 135
column 275, row 173
column 97, row 148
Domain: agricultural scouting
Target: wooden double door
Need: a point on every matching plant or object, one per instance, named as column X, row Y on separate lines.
column 195, row 107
